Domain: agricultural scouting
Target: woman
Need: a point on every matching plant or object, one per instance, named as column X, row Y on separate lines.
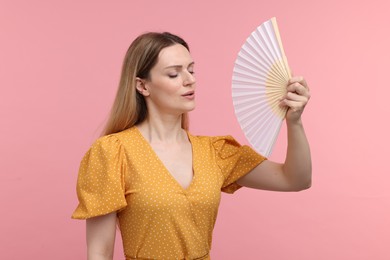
column 160, row 182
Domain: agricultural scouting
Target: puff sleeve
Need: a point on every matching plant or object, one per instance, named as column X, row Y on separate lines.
column 100, row 183
column 234, row 160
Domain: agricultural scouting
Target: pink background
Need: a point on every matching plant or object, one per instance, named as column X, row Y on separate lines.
column 59, row 69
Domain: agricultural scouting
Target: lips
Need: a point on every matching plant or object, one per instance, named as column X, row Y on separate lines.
column 189, row 93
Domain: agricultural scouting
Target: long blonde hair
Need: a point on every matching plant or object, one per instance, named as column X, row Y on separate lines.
column 129, row 107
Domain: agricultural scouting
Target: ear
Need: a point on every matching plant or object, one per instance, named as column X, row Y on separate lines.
column 141, row 87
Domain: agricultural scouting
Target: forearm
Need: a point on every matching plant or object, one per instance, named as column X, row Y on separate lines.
column 297, row 166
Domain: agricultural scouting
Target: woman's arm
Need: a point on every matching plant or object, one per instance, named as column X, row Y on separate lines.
column 295, row 173
column 101, row 237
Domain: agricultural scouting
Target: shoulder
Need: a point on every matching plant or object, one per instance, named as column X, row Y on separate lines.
column 107, row 142
column 113, row 142
column 116, row 139
column 106, row 149
column 218, row 143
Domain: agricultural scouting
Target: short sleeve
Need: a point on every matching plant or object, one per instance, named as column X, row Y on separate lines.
column 234, row 160
column 100, row 183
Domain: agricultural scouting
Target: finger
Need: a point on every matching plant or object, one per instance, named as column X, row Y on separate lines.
column 293, row 105
column 299, row 89
column 299, row 79
column 290, row 95
column 295, row 97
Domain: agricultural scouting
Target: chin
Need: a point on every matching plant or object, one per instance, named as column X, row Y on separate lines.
column 191, row 108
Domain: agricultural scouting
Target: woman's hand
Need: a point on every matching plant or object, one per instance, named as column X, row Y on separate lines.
column 296, row 98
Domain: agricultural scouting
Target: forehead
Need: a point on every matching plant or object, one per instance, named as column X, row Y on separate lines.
column 174, row 55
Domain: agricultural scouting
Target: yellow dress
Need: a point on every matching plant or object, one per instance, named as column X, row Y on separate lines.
column 158, row 218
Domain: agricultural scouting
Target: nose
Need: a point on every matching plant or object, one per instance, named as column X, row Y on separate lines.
column 189, row 79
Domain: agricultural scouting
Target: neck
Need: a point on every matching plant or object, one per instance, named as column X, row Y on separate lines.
column 165, row 129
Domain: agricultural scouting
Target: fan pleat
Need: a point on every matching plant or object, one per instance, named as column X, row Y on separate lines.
column 254, row 60
column 249, row 119
column 273, row 44
column 257, row 49
column 247, row 110
column 249, row 93
column 246, row 74
column 257, row 133
column 277, row 70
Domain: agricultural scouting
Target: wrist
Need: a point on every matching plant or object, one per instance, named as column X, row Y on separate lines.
column 294, row 122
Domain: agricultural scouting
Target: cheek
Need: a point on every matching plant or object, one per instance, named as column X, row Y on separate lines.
column 167, row 87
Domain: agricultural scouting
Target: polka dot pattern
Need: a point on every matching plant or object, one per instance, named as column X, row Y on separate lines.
column 158, row 218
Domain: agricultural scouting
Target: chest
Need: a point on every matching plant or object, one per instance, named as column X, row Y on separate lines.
column 159, row 179
column 175, row 161
column 157, row 170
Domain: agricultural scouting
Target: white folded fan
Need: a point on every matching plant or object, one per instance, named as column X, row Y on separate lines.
column 260, row 77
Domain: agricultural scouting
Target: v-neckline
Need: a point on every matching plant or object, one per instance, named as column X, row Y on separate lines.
column 173, row 179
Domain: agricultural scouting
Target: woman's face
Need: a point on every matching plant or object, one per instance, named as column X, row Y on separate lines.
column 171, row 86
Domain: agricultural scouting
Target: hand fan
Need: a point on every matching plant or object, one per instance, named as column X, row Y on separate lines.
column 260, row 77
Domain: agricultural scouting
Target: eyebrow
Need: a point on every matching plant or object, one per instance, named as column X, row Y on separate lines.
column 179, row 66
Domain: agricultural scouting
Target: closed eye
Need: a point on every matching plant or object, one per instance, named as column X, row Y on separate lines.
column 190, row 69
